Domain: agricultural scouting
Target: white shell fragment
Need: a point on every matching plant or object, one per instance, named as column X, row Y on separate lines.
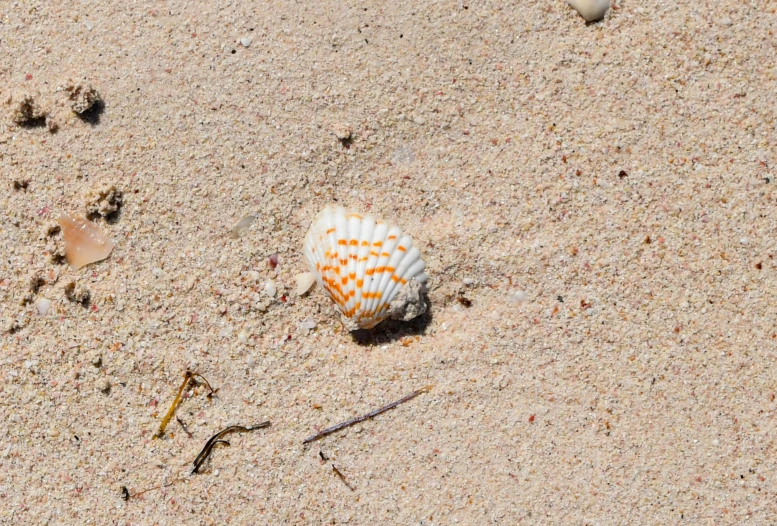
column 304, row 281
column 84, row 241
column 43, row 305
column 369, row 268
column 270, row 288
column 590, row 10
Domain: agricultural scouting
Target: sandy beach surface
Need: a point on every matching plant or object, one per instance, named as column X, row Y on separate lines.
column 595, row 204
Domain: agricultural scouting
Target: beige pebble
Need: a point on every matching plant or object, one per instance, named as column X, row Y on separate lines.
column 304, row 280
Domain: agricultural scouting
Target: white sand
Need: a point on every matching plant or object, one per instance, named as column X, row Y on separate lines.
column 495, row 135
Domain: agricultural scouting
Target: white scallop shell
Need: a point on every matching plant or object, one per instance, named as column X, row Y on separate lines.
column 369, row 268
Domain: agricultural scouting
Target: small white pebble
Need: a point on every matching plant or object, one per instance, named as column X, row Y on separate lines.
column 744, row 241
column 250, row 361
column 590, row 10
column 716, row 442
column 43, row 305
column 89, row 25
column 726, row 21
column 306, row 326
column 254, row 276
column 270, row 288
column 242, row 337
column 246, row 41
column 419, row 120
column 468, row 281
column 518, row 297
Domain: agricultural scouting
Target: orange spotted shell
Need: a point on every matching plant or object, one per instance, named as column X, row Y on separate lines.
column 369, row 268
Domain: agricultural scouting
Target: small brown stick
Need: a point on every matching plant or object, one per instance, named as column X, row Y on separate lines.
column 125, row 494
column 392, row 405
column 342, row 477
column 177, row 400
column 216, row 439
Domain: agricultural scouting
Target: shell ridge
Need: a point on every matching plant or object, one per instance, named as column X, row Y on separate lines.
column 394, row 262
column 353, row 236
column 378, row 241
column 402, row 274
column 365, row 245
column 389, row 245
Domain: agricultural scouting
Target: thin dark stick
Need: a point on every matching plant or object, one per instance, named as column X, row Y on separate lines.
column 392, row 405
column 212, row 390
column 125, row 494
column 183, row 426
column 342, row 477
column 216, row 439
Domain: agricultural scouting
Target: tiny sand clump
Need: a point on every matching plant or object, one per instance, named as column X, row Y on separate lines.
column 26, row 110
column 77, row 293
column 103, row 201
column 83, row 97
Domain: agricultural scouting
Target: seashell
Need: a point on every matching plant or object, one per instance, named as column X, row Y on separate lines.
column 84, row 241
column 369, row 268
column 590, row 10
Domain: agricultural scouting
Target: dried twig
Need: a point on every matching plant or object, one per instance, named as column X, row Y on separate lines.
column 125, row 494
column 392, row 405
column 216, row 439
column 177, row 400
column 342, row 477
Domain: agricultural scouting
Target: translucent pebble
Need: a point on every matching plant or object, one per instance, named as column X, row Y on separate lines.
column 518, row 297
column 242, row 225
column 84, row 241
